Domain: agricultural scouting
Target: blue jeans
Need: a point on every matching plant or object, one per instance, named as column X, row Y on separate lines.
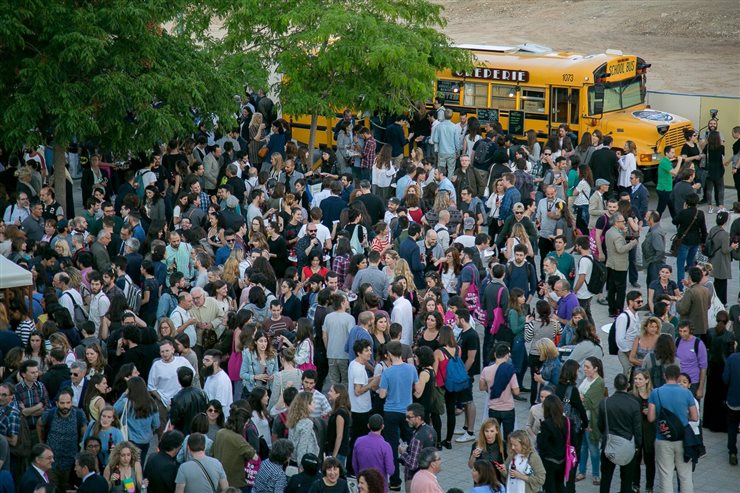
column 686, row 258
column 592, row 450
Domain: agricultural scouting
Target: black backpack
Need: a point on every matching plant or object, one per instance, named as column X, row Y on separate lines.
column 668, row 424
column 597, row 281
column 613, row 348
column 482, row 149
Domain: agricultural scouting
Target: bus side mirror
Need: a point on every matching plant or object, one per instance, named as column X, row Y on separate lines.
column 599, row 99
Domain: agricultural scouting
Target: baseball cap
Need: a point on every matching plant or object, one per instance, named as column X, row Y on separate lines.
column 469, row 223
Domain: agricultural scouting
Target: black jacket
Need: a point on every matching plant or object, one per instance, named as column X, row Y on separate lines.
column 625, row 417
column 54, row 377
column 575, row 402
column 186, row 404
column 697, row 233
column 31, row 478
column 604, row 164
column 161, row 471
column 94, row 484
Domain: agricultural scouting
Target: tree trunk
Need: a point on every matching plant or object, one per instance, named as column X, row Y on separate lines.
column 312, row 137
column 60, row 176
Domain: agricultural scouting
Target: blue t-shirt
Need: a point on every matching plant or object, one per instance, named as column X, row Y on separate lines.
column 676, row 399
column 398, row 380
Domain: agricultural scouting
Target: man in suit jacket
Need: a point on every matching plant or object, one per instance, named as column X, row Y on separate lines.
column 410, row 252
column 604, row 162
column 99, row 249
column 92, row 482
column 42, row 459
column 638, row 194
column 617, row 262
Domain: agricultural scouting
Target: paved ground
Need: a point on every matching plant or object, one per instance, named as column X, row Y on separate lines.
column 713, row 473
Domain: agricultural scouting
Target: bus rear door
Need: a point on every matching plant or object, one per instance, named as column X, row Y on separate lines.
column 564, row 108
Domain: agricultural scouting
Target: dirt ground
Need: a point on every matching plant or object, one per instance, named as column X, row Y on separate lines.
column 694, row 47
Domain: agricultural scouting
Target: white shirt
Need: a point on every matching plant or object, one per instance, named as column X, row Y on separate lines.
column 403, row 313
column 99, row 305
column 179, row 316
column 317, row 198
column 468, row 241
column 163, row 378
column 218, row 387
column 67, row 303
column 358, row 376
column 585, row 266
column 77, row 392
column 626, row 334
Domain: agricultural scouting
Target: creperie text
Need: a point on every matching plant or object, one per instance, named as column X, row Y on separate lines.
column 496, row 74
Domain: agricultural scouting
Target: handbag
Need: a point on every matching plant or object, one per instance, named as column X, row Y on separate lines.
column 678, row 238
column 124, row 421
column 308, row 365
column 571, row 458
column 472, row 301
column 618, row 450
column 263, row 151
column 437, row 401
column 235, row 362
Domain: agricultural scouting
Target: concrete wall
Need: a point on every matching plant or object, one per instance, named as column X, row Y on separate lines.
column 696, row 108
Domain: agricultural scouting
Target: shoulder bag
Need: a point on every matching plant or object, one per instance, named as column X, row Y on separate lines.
column 618, row 450
column 678, row 238
column 124, row 421
column 208, row 476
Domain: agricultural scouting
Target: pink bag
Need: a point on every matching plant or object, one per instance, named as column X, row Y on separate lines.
column 498, row 315
column 309, row 365
column 571, row 459
column 235, row 362
column 472, row 300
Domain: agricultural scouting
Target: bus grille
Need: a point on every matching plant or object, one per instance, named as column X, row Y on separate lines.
column 675, row 138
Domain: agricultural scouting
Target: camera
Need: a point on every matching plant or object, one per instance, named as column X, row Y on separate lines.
column 713, row 114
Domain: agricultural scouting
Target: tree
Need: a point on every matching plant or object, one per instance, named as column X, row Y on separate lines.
column 108, row 71
column 361, row 54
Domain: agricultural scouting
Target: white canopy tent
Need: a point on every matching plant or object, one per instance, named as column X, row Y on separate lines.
column 13, row 275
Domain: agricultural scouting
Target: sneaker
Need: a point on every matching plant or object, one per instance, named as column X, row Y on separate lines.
column 722, row 209
column 580, row 477
column 459, row 431
column 446, row 444
column 733, row 459
column 467, row 437
column 711, row 210
column 635, row 285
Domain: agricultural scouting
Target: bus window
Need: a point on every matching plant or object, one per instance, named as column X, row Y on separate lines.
column 475, row 94
column 533, row 100
column 619, row 95
column 559, row 103
column 502, row 97
column 575, row 99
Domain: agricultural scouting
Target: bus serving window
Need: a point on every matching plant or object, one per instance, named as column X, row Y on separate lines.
column 503, row 97
column 475, row 94
column 619, row 95
column 533, row 100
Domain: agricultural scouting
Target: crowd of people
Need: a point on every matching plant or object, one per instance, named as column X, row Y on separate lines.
column 227, row 314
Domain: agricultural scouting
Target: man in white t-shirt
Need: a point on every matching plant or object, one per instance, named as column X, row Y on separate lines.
column 163, row 375
column 583, row 275
column 218, row 384
column 70, row 296
column 359, row 391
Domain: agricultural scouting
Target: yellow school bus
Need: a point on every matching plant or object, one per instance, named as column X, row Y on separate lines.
column 533, row 87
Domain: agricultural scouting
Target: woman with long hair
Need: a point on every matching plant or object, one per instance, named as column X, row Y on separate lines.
column 289, row 376
column 450, row 268
column 591, row 390
column 566, row 224
column 138, row 409
column 94, row 401
column 232, row 449
column 36, row 350
column 383, row 172
column 153, row 206
column 258, row 400
column 259, row 363
column 568, row 392
column 586, row 345
column 404, row 277
column 124, row 468
column 585, row 149
column 523, row 465
column 516, row 319
column 120, row 382
column 96, row 361
column 518, row 236
column 551, row 443
column 278, row 248
column 107, row 429
column 448, row 349
column 714, row 154
column 489, row 444
column 495, row 199
column 300, row 427
column 256, row 138
column 337, row 431
column 485, row 478
column 644, row 343
column 426, row 386
column 641, row 389
column 540, row 326
column 429, row 334
column 215, row 415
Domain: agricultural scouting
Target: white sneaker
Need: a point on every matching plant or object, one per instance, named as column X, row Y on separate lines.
column 460, row 431
column 721, row 209
column 711, row 210
column 467, row 437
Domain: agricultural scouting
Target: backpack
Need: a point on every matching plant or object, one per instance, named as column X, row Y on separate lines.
column 140, row 187
column 570, row 411
column 710, row 249
column 476, row 206
column 656, row 372
column 482, row 149
column 595, row 284
column 668, row 424
column 613, row 348
column 22, row 447
column 80, row 315
column 133, row 294
column 456, row 378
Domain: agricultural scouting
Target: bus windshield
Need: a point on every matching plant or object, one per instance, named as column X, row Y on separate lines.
column 620, row 95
